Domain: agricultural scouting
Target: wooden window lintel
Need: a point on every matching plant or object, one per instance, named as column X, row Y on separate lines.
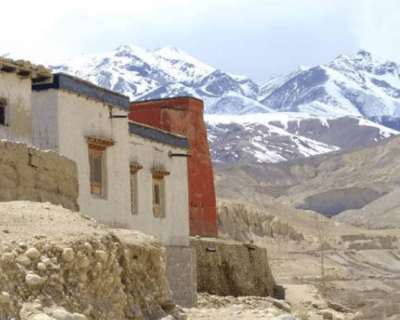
column 135, row 167
column 99, row 143
column 159, row 174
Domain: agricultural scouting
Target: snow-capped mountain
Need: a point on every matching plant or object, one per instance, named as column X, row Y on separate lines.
column 271, row 84
column 358, row 85
column 166, row 72
column 306, row 112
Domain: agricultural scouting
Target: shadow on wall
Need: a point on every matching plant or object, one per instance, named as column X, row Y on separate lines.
column 41, row 176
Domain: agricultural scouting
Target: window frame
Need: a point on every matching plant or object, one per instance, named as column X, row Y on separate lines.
column 96, row 185
column 3, row 108
column 158, row 183
column 133, row 177
column 96, row 150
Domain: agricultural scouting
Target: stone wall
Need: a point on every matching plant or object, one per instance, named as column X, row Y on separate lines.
column 181, row 275
column 232, row 268
column 58, row 264
column 30, row 174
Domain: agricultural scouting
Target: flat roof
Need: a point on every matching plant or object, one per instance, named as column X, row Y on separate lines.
column 85, row 88
column 26, row 69
column 166, row 99
column 158, row 135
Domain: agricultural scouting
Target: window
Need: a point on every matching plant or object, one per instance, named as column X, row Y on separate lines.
column 159, row 193
column 3, row 104
column 157, row 198
column 97, row 149
column 134, row 168
column 95, row 162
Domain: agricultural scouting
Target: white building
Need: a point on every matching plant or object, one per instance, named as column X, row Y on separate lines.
column 16, row 79
column 130, row 175
column 126, row 176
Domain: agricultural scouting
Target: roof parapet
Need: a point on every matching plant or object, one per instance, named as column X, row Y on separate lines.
column 158, row 135
column 26, row 70
column 85, row 88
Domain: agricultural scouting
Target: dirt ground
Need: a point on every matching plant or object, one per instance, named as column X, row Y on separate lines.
column 310, row 306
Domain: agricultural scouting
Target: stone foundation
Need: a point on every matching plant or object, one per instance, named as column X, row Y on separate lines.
column 67, row 266
column 181, row 275
column 230, row 268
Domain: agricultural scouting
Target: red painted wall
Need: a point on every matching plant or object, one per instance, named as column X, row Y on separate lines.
column 184, row 116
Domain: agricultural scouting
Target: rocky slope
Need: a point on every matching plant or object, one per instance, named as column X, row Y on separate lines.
column 58, row 264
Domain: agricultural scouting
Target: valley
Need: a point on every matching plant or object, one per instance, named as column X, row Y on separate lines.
column 360, row 269
column 359, row 188
column 328, row 184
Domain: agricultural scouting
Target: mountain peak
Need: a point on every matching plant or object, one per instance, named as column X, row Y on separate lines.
column 174, row 54
column 364, row 53
column 169, row 52
column 302, row 67
column 167, row 48
column 361, row 54
column 360, row 60
column 125, row 47
column 131, row 48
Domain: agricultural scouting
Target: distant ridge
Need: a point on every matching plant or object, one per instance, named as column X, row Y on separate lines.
column 350, row 88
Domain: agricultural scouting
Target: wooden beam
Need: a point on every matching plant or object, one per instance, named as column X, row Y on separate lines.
column 8, row 68
column 23, row 73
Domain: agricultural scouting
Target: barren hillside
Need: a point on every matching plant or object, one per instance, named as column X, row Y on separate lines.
column 361, row 267
column 277, row 205
column 328, row 184
column 383, row 213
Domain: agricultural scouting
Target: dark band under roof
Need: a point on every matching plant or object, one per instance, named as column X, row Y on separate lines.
column 166, row 99
column 85, row 88
column 158, row 135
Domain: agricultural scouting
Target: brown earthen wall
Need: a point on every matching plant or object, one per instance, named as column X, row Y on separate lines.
column 184, row 116
column 230, row 268
column 40, row 176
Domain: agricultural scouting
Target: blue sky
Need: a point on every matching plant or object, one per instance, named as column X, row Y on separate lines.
column 259, row 38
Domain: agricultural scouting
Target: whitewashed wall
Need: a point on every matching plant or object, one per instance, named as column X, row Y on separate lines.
column 78, row 118
column 45, row 120
column 173, row 228
column 62, row 120
column 17, row 91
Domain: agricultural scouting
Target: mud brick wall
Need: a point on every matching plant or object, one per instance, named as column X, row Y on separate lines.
column 181, row 275
column 230, row 268
column 41, row 176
